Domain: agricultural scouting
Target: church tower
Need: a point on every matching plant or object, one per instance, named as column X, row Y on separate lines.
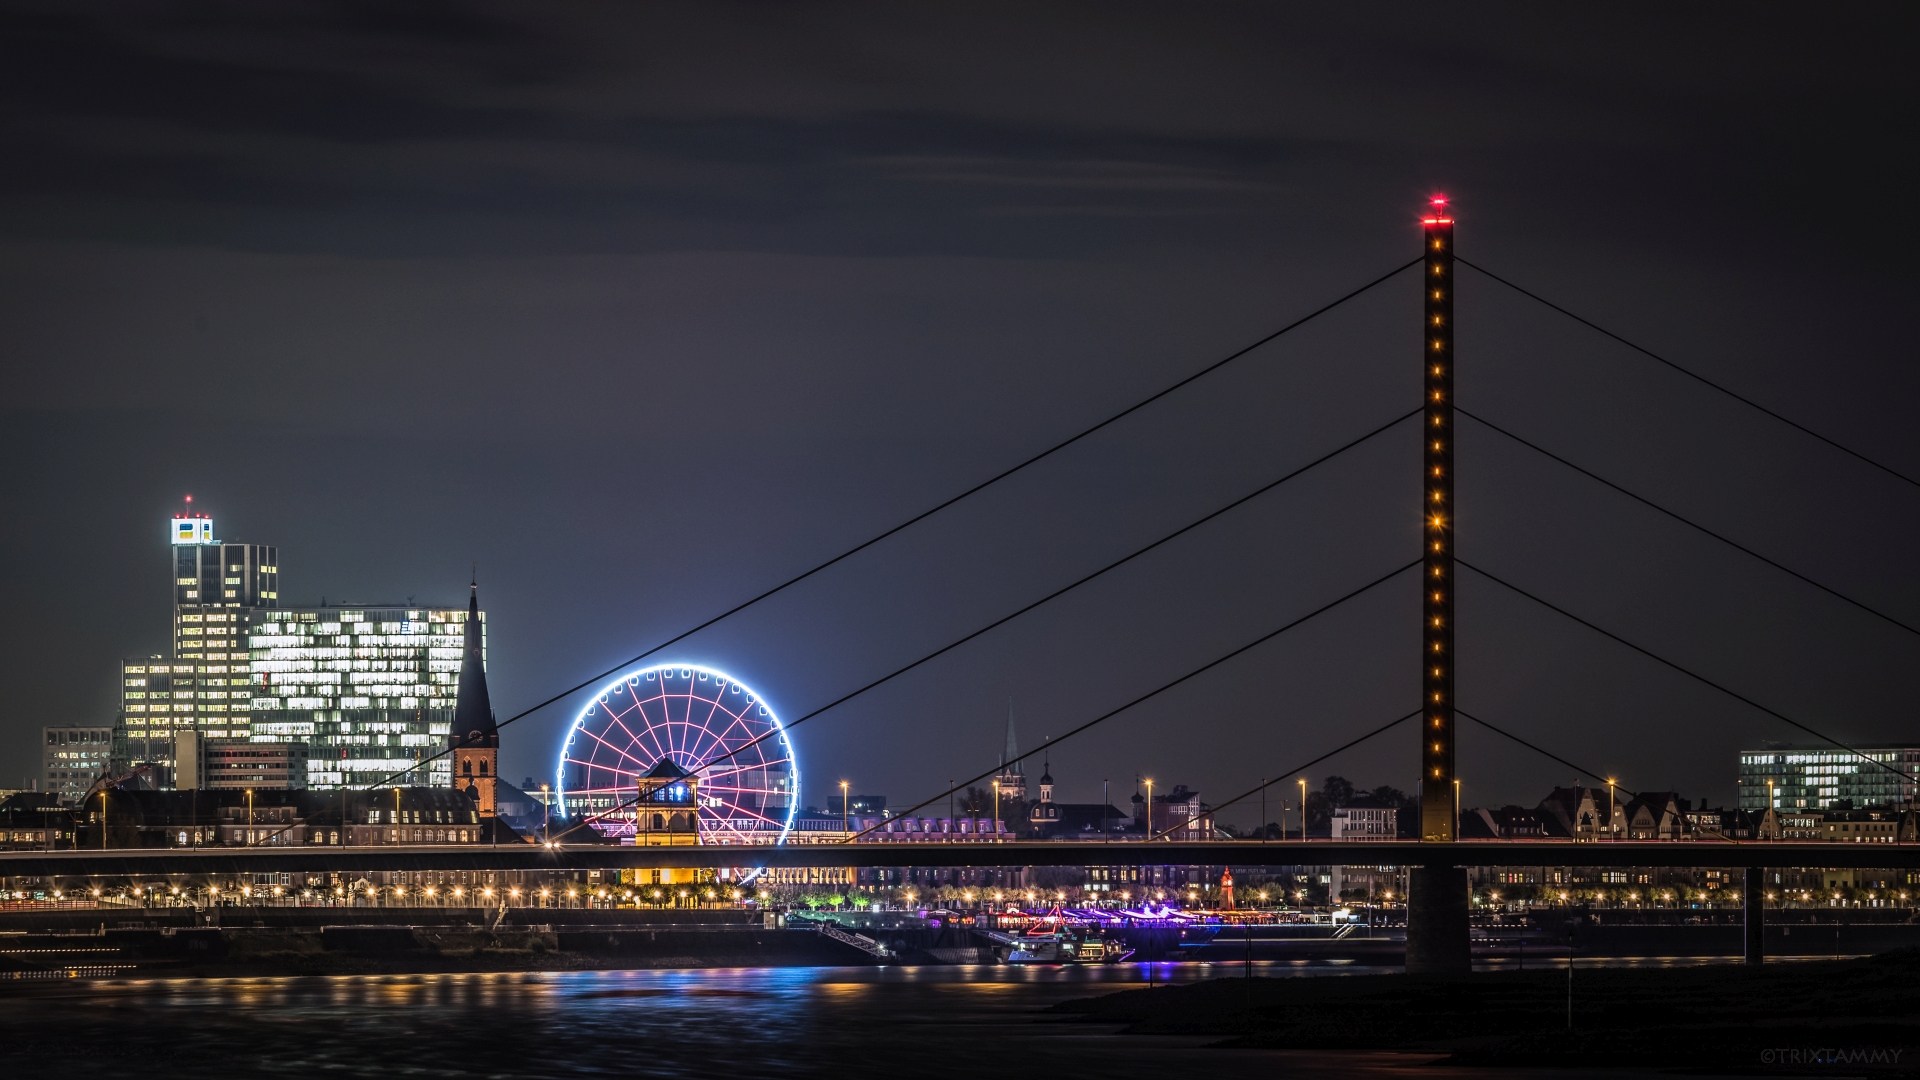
column 1044, row 815
column 475, row 739
column 1012, row 780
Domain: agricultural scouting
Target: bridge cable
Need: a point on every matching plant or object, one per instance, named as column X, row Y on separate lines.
column 1797, row 426
column 1280, row 779
column 1063, row 590
column 1736, row 695
column 1057, row 593
column 1285, row 773
column 1576, row 768
column 924, row 514
column 1691, row 524
column 1157, row 691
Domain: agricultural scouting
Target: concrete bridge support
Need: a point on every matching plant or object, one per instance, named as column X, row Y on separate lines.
column 1754, row 893
column 1438, row 941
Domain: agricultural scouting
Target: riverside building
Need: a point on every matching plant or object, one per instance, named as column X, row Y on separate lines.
column 370, row 689
column 1805, row 777
column 75, row 756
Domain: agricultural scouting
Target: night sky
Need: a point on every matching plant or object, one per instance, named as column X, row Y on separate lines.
column 646, row 308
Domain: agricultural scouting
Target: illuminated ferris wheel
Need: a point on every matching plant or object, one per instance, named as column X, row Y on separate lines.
column 691, row 716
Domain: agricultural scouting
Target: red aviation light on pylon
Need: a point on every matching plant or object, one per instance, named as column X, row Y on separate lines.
column 1438, row 214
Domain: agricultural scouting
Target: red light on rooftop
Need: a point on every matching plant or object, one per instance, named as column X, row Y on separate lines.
column 1438, row 215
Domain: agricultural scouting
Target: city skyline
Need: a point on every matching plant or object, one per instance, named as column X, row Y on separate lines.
column 1870, row 788
column 713, row 327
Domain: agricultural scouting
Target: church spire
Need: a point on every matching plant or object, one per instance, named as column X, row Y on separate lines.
column 1012, row 752
column 473, row 723
column 475, row 738
column 1012, row 780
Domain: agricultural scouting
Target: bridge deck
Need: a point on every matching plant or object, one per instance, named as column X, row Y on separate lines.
column 312, row 859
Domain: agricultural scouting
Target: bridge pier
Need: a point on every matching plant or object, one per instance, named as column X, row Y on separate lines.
column 1754, row 894
column 1438, row 941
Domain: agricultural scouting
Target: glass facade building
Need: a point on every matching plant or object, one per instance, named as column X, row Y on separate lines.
column 1816, row 777
column 370, row 690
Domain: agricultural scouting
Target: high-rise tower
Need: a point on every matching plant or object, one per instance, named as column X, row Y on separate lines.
column 203, row 687
column 214, row 584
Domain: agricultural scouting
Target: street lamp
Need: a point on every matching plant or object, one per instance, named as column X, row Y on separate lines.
column 1303, row 809
column 845, row 808
column 1149, row 807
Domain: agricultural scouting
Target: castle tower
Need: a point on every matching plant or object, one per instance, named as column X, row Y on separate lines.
column 475, row 738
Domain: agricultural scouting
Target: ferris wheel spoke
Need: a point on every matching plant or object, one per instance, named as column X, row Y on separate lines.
column 741, row 722
column 596, row 737
column 648, row 733
column 616, row 719
column 602, row 767
column 706, row 720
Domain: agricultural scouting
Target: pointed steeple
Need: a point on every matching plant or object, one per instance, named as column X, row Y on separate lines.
column 1012, row 780
column 473, row 723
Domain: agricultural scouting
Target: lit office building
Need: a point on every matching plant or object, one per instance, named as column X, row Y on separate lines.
column 214, row 584
column 217, row 588
column 75, row 757
column 371, row 691
column 1816, row 777
column 165, row 698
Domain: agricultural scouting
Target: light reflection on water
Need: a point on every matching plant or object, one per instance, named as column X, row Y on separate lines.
column 738, row 1022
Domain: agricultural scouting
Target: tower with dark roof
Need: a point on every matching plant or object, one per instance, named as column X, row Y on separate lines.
column 1012, row 779
column 667, row 805
column 1044, row 812
column 475, row 737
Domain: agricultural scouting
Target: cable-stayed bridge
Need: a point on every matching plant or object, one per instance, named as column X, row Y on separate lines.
column 1437, row 925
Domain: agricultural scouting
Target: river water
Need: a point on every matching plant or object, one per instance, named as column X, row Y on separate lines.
column 845, row 1022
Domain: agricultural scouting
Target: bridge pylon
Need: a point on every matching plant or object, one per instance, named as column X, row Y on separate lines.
column 1437, row 815
column 1437, row 933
